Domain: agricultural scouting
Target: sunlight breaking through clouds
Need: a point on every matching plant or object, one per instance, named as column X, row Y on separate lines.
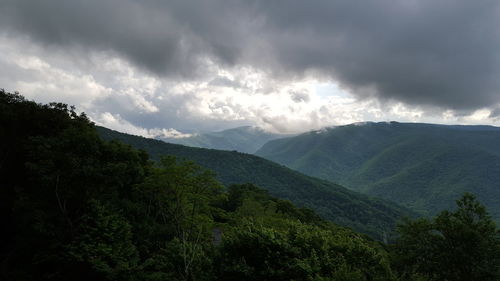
column 117, row 94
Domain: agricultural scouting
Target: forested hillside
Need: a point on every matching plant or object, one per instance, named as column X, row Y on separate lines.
column 368, row 215
column 246, row 139
column 76, row 207
column 422, row 166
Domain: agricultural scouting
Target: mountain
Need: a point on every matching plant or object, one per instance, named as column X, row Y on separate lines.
column 76, row 207
column 334, row 202
column 246, row 139
column 422, row 166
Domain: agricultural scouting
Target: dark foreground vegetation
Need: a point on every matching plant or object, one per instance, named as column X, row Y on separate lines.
column 75, row 207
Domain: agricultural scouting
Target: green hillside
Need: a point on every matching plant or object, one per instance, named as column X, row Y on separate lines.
column 246, row 139
column 76, row 207
column 421, row 166
column 372, row 216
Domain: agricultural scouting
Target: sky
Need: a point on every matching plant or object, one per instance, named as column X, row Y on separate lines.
column 178, row 67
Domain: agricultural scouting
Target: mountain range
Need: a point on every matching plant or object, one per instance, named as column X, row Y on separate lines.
column 369, row 215
column 424, row 167
column 246, row 139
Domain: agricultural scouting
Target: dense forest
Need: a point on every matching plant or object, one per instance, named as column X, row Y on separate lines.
column 77, row 207
column 424, row 167
column 368, row 215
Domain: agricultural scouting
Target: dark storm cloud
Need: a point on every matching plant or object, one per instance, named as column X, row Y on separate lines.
column 145, row 36
column 443, row 53
column 421, row 52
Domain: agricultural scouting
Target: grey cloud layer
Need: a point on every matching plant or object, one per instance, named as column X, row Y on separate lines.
column 443, row 53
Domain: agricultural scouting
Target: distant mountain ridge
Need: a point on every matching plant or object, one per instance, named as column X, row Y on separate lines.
column 247, row 139
column 422, row 166
column 334, row 202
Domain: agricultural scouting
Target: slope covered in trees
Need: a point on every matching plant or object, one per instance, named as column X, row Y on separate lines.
column 421, row 166
column 368, row 215
column 75, row 207
column 459, row 245
column 246, row 139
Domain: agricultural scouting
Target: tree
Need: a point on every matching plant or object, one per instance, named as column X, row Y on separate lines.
column 177, row 199
column 454, row 246
column 103, row 248
column 299, row 252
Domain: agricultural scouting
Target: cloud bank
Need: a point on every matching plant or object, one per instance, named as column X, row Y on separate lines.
column 210, row 64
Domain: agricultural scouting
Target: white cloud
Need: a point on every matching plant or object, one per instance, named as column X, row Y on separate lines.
column 31, row 72
column 116, row 122
column 118, row 95
column 168, row 133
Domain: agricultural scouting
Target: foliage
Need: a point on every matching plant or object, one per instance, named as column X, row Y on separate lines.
column 103, row 244
column 421, row 166
column 75, row 207
column 454, row 246
column 333, row 202
column 299, row 252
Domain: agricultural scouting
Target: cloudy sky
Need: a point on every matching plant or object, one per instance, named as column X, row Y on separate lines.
column 175, row 66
